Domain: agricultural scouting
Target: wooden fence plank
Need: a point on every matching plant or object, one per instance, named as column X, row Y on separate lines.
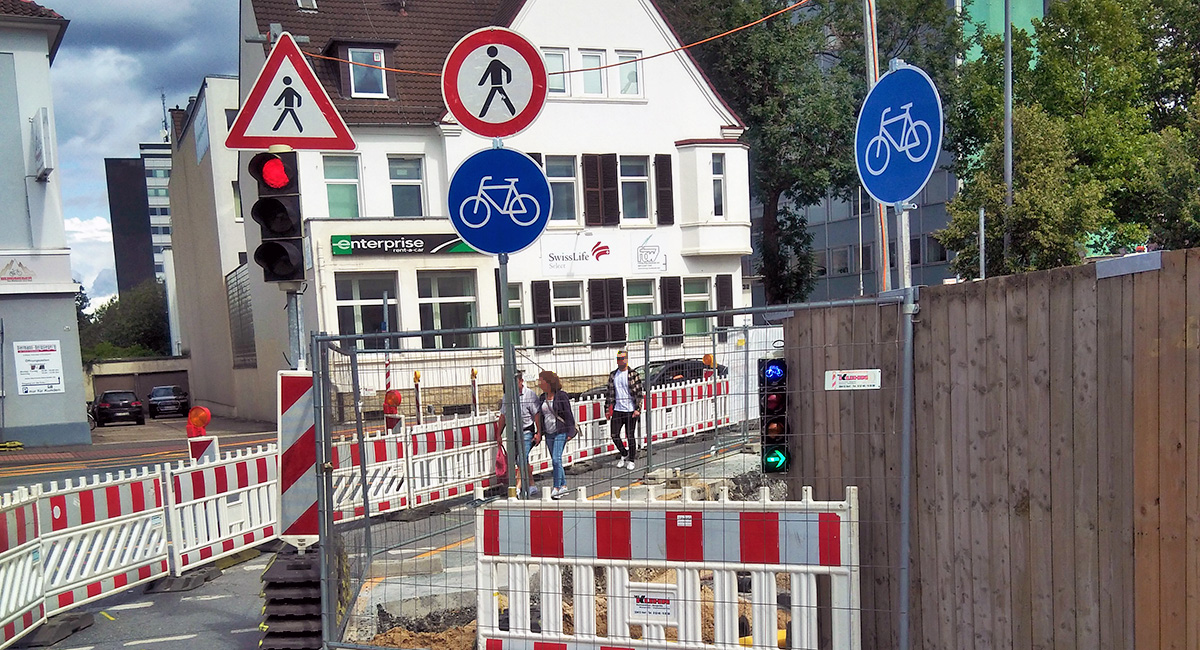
column 873, row 471
column 889, row 480
column 925, row 492
column 1171, row 450
column 1112, row 397
column 941, row 481
column 1192, row 442
column 1041, row 574
column 1145, row 461
column 1062, row 478
column 981, row 547
column 866, row 321
column 961, row 477
column 1125, row 476
column 996, row 460
column 805, row 434
column 834, row 430
column 1087, row 565
column 1018, row 460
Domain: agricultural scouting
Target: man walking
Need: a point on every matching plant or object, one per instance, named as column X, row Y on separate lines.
column 527, row 406
column 623, row 405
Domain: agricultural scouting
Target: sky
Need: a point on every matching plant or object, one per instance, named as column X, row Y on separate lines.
column 116, row 58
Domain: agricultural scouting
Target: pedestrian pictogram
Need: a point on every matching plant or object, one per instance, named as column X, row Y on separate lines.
column 899, row 135
column 494, row 82
column 499, row 201
column 288, row 106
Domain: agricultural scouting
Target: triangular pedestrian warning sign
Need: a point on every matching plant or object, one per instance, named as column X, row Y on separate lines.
column 288, row 106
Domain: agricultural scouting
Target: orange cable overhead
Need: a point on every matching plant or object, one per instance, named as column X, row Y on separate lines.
column 602, row 67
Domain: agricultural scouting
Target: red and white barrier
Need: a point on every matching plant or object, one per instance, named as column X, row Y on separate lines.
column 298, row 523
column 222, row 506
column 387, row 471
column 777, row 542
column 102, row 536
column 451, row 458
column 21, row 600
column 204, row 448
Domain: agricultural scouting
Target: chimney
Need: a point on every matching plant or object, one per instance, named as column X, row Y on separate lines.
column 178, row 118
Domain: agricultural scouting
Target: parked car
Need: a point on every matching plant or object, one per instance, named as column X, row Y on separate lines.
column 164, row 400
column 117, row 405
column 669, row 371
column 592, row 393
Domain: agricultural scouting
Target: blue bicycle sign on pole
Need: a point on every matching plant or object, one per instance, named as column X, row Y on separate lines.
column 499, row 201
column 899, row 135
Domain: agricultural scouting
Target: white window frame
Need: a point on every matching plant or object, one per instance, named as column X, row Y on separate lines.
column 573, row 180
column 631, row 300
column 419, row 183
column 631, row 58
column 718, row 184
column 350, row 52
column 357, row 302
column 343, row 181
column 599, row 74
column 516, row 307
column 834, row 269
column 572, row 301
column 622, row 179
column 437, row 301
column 565, row 55
column 695, row 297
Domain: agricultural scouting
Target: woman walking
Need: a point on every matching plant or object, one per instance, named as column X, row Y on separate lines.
column 557, row 424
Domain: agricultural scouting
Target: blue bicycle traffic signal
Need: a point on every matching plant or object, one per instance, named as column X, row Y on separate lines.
column 899, row 135
column 499, row 201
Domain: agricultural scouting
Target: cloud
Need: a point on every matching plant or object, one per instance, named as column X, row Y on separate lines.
column 90, row 241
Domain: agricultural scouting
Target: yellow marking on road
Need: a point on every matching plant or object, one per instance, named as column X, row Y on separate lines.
column 445, row 548
column 106, row 615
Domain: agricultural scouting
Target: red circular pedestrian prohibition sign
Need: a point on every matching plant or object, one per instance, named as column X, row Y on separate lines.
column 494, row 82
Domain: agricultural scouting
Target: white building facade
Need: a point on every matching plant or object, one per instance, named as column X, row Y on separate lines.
column 650, row 184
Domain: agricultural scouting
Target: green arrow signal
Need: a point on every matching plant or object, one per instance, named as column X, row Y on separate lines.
column 776, row 459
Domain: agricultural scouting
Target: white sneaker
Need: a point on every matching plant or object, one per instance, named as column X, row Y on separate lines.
column 558, row 492
column 629, row 465
column 620, row 463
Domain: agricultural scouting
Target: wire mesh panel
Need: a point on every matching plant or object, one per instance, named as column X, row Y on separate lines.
column 406, row 576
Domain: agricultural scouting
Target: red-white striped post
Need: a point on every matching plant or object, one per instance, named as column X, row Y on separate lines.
column 474, row 392
column 417, row 393
column 298, row 521
column 204, row 449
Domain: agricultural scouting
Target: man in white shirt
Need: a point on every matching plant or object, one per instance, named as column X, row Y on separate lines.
column 623, row 406
column 528, row 409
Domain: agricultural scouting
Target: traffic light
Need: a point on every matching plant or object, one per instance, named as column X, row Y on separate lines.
column 277, row 211
column 773, row 409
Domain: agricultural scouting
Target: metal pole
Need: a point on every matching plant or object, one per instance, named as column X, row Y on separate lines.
column 909, row 309
column 982, row 248
column 903, row 246
column 861, row 290
column 1008, row 129
column 324, row 498
column 647, row 414
column 746, row 386
column 715, row 380
column 516, row 448
column 293, row 315
column 362, row 457
column 878, row 210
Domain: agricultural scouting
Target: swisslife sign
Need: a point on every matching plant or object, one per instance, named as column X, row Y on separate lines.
column 428, row 244
column 589, row 255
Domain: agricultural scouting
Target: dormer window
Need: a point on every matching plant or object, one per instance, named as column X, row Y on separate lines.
column 367, row 81
column 307, row 4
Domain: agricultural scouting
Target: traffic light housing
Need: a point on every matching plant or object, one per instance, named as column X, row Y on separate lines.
column 773, row 414
column 277, row 211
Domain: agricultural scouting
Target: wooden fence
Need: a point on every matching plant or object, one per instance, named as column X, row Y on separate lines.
column 1056, row 457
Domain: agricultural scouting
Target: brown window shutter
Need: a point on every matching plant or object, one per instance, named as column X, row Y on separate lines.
column 540, row 290
column 593, row 213
column 537, row 157
column 664, row 191
column 724, row 302
column 671, row 290
column 610, row 189
column 597, row 309
column 616, row 308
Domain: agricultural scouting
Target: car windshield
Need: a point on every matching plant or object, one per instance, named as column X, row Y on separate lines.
column 118, row 396
column 162, row 391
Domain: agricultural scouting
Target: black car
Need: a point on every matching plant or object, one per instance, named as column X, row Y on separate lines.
column 117, row 405
column 168, row 400
column 670, row 371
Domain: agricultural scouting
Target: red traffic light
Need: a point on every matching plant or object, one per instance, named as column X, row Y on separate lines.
column 276, row 174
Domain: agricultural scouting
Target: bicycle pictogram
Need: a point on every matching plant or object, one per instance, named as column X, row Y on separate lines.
column 514, row 205
column 879, row 150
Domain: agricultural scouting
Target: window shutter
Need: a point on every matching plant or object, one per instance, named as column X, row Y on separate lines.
column 724, row 302
column 537, row 157
column 597, row 309
column 671, row 290
column 540, row 290
column 593, row 215
column 610, row 189
column 664, row 191
column 616, row 308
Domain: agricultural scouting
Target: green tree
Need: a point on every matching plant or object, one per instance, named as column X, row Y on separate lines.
column 134, row 324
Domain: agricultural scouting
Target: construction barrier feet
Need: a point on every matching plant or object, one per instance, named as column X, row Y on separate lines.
column 57, row 628
column 292, row 613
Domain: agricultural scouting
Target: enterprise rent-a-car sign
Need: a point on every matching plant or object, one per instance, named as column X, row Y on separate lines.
column 428, row 244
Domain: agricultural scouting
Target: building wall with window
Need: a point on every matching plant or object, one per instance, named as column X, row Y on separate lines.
column 42, row 391
column 210, row 252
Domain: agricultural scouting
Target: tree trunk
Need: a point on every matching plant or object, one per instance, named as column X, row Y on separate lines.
column 774, row 262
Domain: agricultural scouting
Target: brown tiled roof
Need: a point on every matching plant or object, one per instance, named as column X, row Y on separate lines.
column 27, row 9
column 423, row 32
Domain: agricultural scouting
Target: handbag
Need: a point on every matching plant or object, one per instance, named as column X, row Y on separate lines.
column 501, row 461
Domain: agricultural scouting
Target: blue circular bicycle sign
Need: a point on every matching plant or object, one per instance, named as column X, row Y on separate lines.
column 899, row 135
column 499, row 201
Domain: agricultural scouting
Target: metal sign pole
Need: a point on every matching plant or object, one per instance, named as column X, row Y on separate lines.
column 516, row 448
column 903, row 245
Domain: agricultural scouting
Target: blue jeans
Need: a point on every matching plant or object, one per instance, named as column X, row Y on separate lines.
column 557, row 441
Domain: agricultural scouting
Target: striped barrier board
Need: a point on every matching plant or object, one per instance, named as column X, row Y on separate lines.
column 102, row 536
column 783, row 545
column 450, row 459
column 386, row 475
column 222, row 506
column 298, row 524
column 21, row 604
